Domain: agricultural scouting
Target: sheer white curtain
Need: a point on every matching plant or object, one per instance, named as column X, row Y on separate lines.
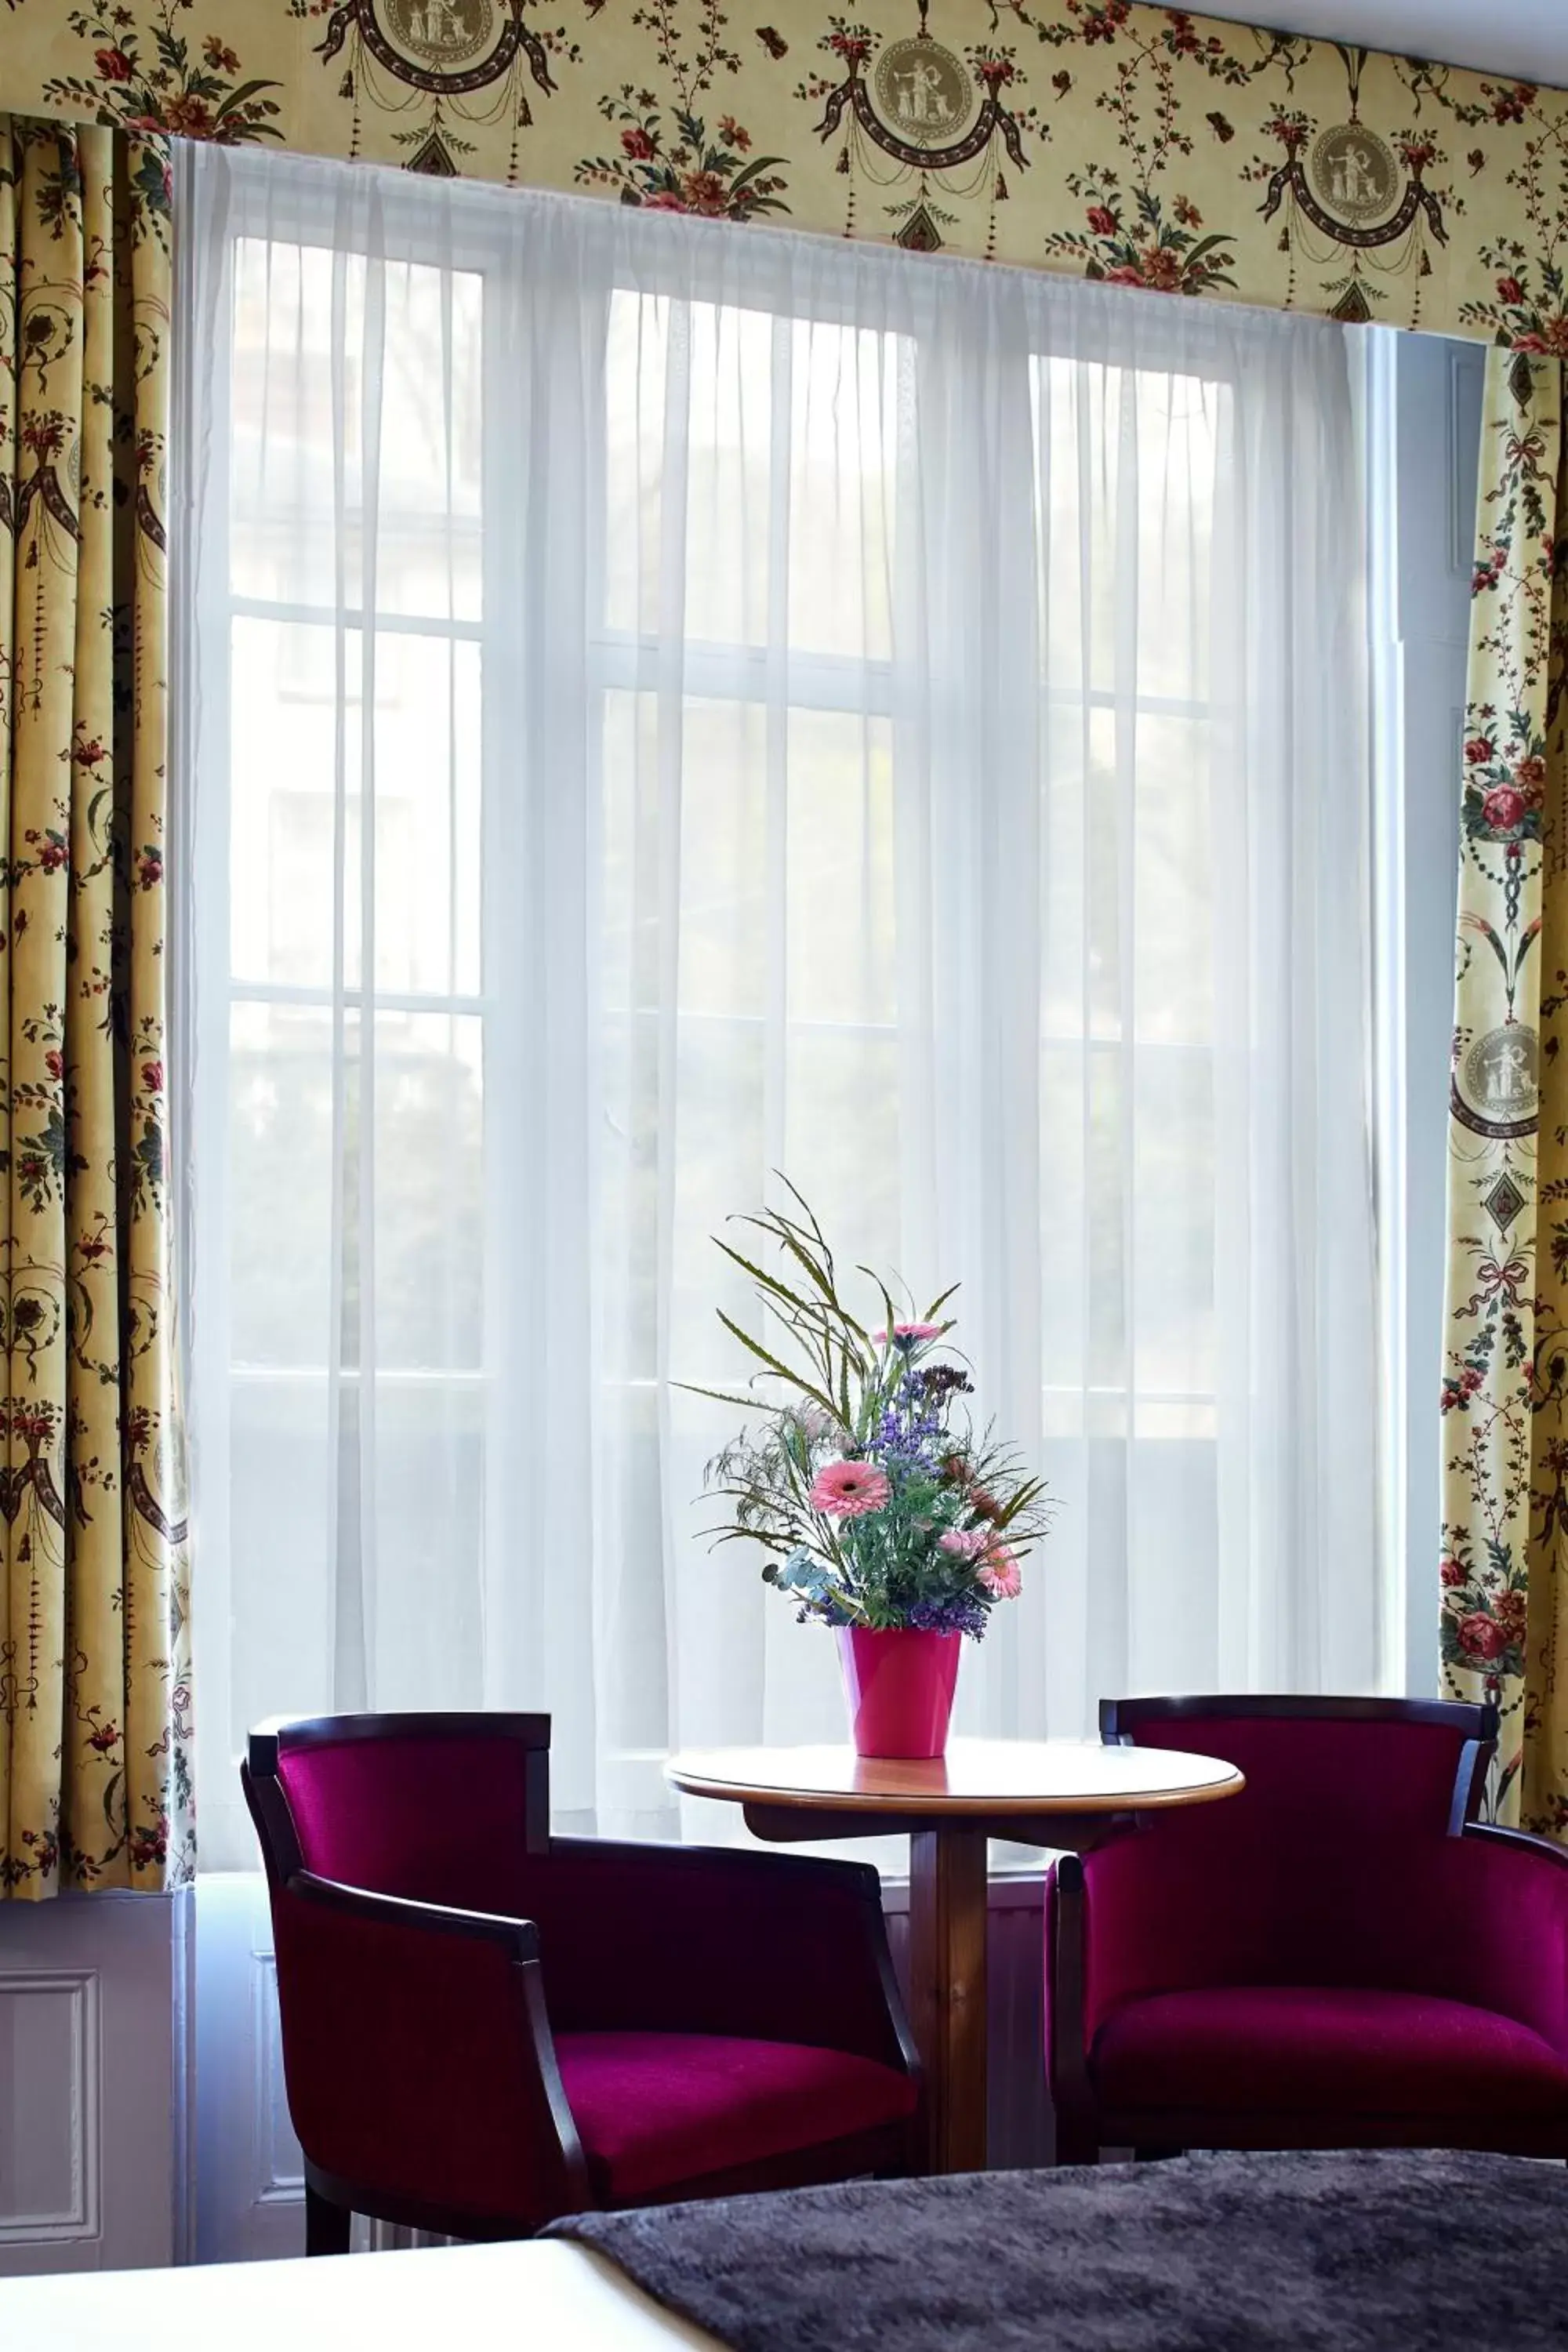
column 668, row 704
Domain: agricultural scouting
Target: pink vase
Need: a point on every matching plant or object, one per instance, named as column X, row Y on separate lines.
column 900, row 1689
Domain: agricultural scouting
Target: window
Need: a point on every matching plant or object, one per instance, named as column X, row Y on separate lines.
column 681, row 704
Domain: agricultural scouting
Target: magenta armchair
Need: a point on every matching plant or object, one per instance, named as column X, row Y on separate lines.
column 1340, row 1957
column 485, row 2027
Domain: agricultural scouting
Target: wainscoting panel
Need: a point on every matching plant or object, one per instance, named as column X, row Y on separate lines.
column 91, row 2073
column 50, row 2155
column 280, row 2175
column 251, row 2195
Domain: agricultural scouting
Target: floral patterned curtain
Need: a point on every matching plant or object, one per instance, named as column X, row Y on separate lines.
column 1505, row 1393
column 94, row 1776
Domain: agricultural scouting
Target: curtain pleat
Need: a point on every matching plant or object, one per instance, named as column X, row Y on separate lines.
column 94, row 1680
column 1505, row 1387
column 827, row 714
column 1105, row 139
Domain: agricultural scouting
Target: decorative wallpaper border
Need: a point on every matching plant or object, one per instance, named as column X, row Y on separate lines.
column 1101, row 137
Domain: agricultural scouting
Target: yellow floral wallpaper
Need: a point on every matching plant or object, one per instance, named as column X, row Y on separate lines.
column 1142, row 145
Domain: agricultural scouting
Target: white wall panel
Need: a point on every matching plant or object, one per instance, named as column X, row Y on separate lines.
column 92, row 2082
column 50, row 2153
column 1423, row 417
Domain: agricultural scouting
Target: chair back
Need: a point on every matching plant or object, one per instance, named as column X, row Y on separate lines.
column 1406, row 1767
column 435, row 1808
column 1297, row 1880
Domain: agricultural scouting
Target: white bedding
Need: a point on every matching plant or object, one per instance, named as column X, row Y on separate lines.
column 508, row 2298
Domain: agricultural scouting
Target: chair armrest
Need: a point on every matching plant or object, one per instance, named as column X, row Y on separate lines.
column 700, row 1939
column 1523, row 1842
column 418, row 2056
column 1480, row 1916
column 1508, row 1900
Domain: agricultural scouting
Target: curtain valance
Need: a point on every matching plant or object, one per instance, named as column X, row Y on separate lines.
column 1099, row 138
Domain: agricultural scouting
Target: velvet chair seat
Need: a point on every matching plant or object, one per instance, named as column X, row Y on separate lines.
column 485, row 2026
column 657, row 2113
column 1316, row 2050
column 1340, row 1957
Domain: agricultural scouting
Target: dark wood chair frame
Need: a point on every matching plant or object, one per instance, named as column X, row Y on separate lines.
column 1120, row 1722
column 331, row 2201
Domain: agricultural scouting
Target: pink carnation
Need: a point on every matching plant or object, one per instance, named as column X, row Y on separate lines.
column 906, row 1335
column 1000, row 1573
column 967, row 1543
column 848, row 1490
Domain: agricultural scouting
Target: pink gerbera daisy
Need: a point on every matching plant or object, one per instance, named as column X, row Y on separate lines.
column 848, row 1490
column 1001, row 1574
column 909, row 1335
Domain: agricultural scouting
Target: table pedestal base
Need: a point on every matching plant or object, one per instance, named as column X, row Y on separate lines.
column 1068, row 1797
column 947, row 1989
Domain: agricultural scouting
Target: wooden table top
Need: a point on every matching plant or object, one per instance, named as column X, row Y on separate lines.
column 1025, row 1778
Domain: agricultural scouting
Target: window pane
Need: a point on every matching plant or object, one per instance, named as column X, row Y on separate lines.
column 427, row 825
column 1126, row 462
column 1173, row 882
column 842, row 963
column 310, row 327
column 286, row 755
column 281, row 1580
column 843, row 481
column 280, row 1154
column 782, row 435
column 1173, row 1236
column 1128, row 944
column 422, row 1188
column 428, row 1196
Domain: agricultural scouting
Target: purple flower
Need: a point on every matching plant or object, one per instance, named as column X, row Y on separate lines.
column 911, row 1434
column 962, row 1615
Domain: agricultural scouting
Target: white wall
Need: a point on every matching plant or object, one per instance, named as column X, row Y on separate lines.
column 92, row 2079
column 1423, row 401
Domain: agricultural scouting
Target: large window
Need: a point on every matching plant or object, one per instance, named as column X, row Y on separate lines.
column 679, row 704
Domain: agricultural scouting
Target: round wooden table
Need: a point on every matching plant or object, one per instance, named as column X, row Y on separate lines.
column 1065, row 1794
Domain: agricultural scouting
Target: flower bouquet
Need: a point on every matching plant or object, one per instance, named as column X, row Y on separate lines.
column 884, row 1513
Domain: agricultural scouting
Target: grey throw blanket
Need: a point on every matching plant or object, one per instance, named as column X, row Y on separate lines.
column 1379, row 2252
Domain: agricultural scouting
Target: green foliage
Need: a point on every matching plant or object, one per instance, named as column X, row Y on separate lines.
column 865, row 1485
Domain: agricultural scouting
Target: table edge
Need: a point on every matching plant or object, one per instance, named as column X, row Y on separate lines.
column 828, row 1800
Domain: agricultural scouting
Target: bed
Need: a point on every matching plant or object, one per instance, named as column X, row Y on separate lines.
column 1371, row 2251
column 538, row 2297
